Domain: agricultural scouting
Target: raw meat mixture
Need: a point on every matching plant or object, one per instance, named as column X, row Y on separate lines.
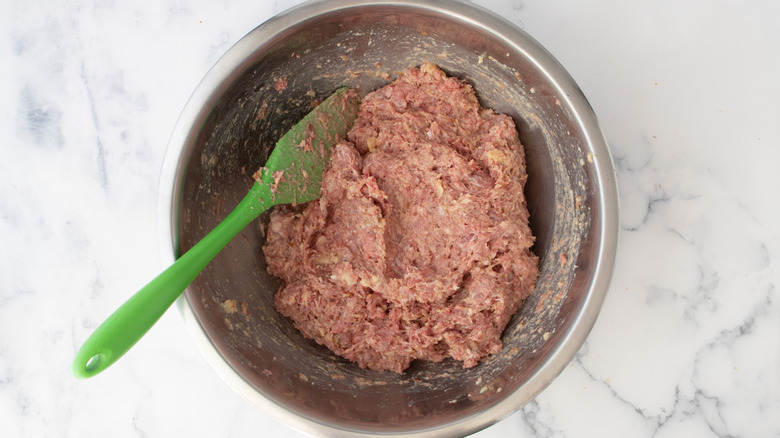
column 419, row 247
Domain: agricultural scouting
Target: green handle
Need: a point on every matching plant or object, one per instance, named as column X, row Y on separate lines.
column 137, row 315
column 292, row 175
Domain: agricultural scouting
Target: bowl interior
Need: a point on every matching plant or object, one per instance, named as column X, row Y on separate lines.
column 365, row 48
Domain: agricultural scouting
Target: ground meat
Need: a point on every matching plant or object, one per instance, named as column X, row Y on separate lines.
column 419, row 247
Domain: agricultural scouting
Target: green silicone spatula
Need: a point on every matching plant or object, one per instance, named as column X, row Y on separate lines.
column 292, row 174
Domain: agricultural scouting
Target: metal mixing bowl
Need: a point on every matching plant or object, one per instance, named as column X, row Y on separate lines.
column 239, row 111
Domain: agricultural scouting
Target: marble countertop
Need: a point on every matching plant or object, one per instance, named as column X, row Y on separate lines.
column 687, row 344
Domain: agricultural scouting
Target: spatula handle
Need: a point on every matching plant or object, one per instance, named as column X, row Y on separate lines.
column 137, row 315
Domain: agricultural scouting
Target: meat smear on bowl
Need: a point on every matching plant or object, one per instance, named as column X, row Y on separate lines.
column 419, row 247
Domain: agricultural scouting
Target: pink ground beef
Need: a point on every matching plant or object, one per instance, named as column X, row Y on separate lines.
column 419, row 247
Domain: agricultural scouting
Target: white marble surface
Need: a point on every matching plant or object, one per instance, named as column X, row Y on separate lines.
column 687, row 345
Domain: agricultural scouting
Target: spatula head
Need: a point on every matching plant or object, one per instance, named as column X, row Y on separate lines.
column 293, row 173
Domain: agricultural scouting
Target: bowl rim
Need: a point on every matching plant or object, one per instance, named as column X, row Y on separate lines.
column 215, row 81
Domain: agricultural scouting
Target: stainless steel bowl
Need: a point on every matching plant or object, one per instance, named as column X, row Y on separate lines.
column 237, row 113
